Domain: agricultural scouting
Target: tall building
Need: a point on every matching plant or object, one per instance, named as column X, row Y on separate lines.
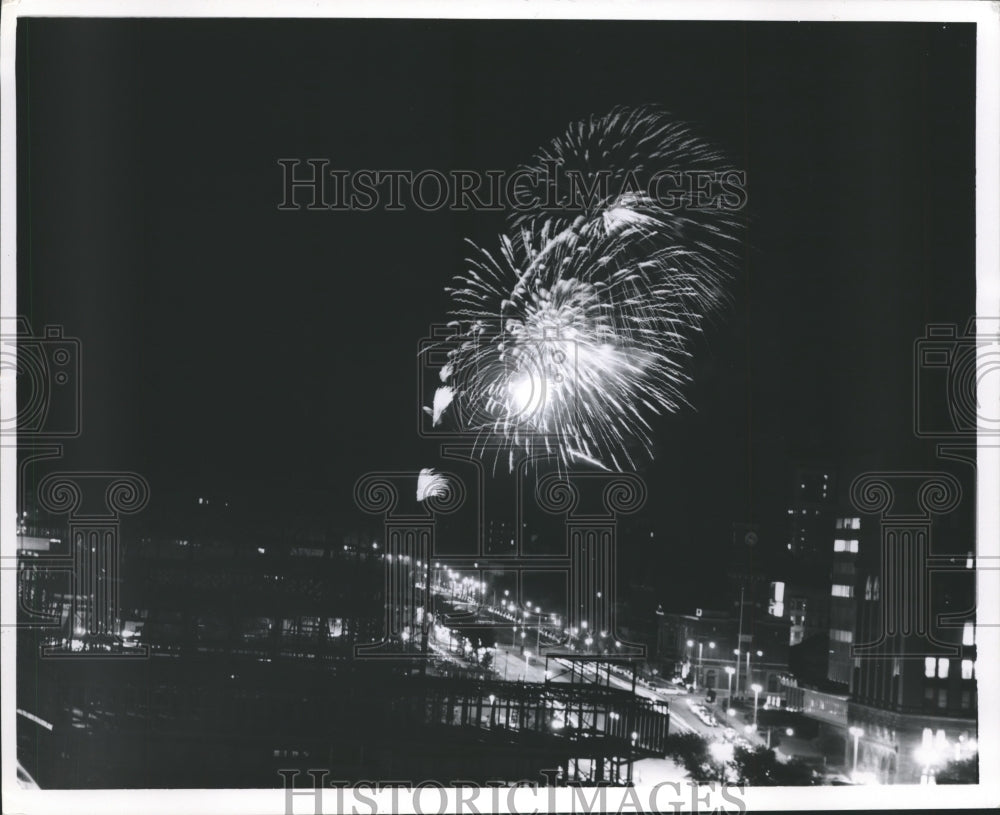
column 812, row 505
column 913, row 689
column 899, row 697
column 843, row 603
column 808, row 610
column 809, row 553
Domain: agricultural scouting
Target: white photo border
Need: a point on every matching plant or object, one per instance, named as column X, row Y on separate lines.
column 168, row 802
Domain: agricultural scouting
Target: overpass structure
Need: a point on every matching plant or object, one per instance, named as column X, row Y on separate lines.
column 175, row 723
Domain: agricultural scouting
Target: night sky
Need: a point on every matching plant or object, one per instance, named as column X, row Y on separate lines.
column 235, row 350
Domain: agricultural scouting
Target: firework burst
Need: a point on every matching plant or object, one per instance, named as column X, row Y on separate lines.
column 577, row 331
column 431, row 484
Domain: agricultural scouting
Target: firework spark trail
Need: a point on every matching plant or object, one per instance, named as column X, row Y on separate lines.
column 431, row 484
column 578, row 330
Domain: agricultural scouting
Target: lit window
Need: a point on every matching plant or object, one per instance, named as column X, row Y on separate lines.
column 968, row 634
column 929, row 666
column 969, row 561
column 942, row 666
column 841, row 545
column 854, row 523
column 840, row 635
column 838, row 590
column 926, row 738
column 967, row 669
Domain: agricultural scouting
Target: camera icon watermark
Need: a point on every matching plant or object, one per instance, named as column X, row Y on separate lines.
column 950, row 371
column 506, row 386
column 46, row 368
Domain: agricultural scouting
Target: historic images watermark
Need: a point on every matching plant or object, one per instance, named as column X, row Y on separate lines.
column 46, row 366
column 314, row 184
column 307, row 793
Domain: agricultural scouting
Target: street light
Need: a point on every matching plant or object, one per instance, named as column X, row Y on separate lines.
column 538, row 631
column 759, row 655
column 730, row 670
column 857, row 732
column 700, row 672
column 756, row 694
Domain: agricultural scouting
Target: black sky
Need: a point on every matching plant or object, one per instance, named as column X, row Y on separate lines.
column 233, row 349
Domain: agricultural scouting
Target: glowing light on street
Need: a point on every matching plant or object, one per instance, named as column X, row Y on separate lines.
column 721, row 751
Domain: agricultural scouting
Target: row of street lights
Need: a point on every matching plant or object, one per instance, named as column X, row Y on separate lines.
column 730, row 670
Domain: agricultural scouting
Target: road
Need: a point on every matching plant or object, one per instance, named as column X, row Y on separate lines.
column 510, row 664
column 513, row 665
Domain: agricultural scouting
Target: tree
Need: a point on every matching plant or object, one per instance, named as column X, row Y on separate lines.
column 759, row 766
column 692, row 751
column 965, row 771
column 795, row 773
column 753, row 766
